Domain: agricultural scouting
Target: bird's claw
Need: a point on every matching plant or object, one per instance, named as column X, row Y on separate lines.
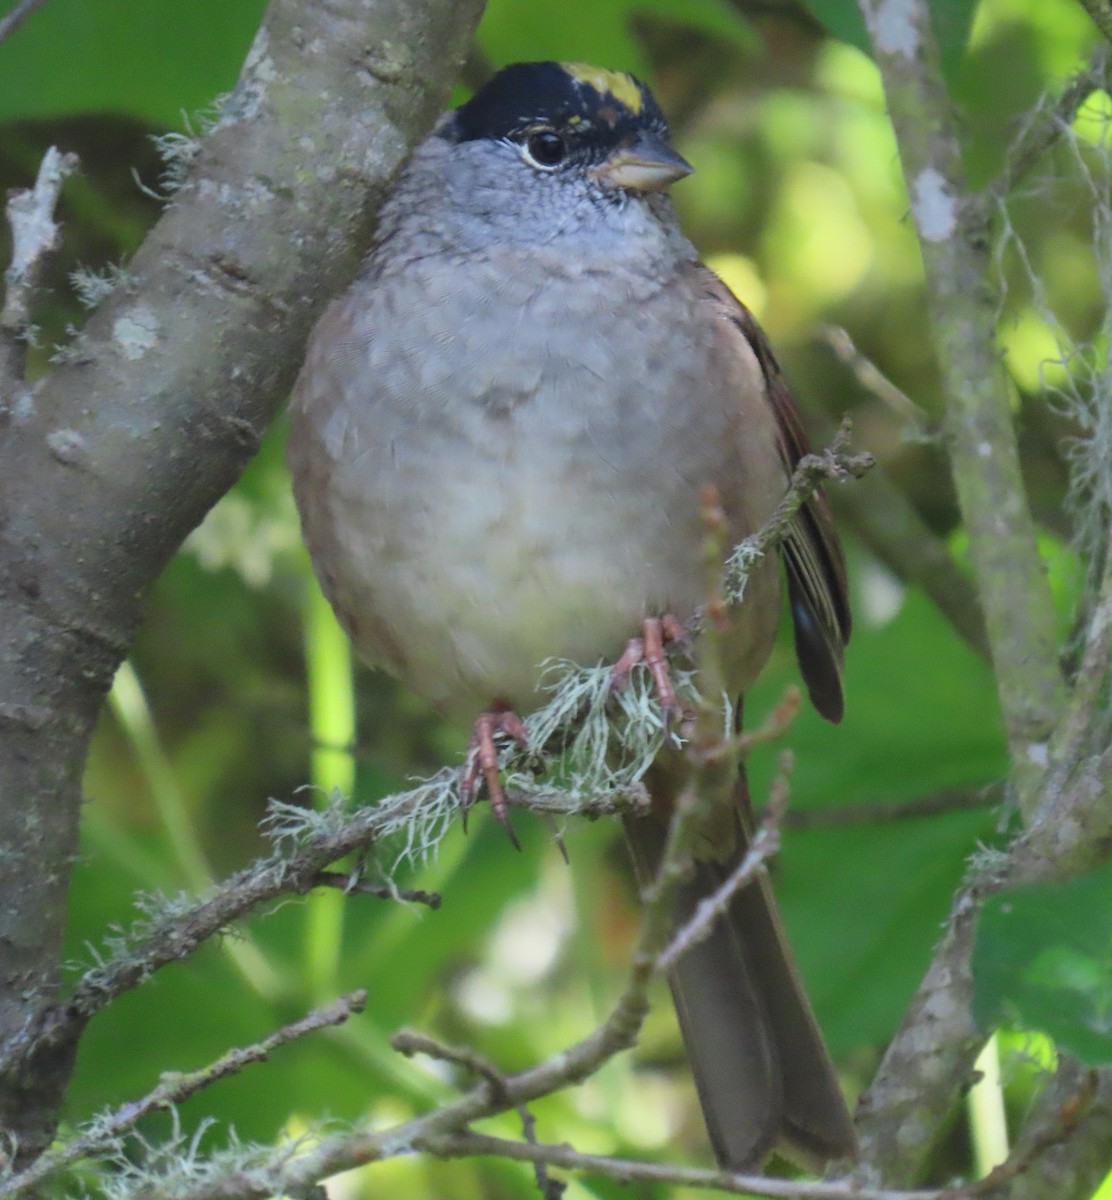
column 656, row 633
column 481, row 765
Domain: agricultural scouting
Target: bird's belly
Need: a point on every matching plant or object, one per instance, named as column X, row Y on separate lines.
column 478, row 568
column 482, row 495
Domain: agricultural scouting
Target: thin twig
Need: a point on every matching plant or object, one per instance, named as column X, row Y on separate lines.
column 408, row 1042
column 882, row 813
column 1072, row 738
column 354, row 886
column 775, row 725
column 624, row 1170
column 550, row 1188
column 1046, row 124
column 34, row 235
column 883, row 517
column 876, row 383
column 835, row 462
column 104, row 1132
column 10, row 22
column 1059, row 1129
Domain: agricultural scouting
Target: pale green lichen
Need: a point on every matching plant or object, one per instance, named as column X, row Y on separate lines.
column 92, row 286
column 136, row 332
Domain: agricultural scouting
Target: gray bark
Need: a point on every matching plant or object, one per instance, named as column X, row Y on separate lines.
column 108, row 462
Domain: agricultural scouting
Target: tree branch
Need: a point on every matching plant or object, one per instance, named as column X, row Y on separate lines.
column 351, row 885
column 1011, row 577
column 881, row 812
column 173, row 932
column 34, row 235
column 709, row 762
column 282, row 1174
column 624, row 1170
column 1047, row 122
column 103, row 1135
column 836, row 462
column 12, row 20
column 932, row 1054
column 934, row 1049
column 185, row 363
column 1101, row 13
column 307, row 841
column 875, row 382
column 881, row 515
column 1067, row 1145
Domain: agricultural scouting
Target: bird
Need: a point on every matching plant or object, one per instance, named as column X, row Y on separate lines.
column 498, row 441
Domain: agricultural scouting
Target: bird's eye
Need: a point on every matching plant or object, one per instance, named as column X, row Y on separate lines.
column 545, row 148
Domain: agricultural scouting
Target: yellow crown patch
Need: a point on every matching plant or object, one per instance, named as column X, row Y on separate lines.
column 621, row 86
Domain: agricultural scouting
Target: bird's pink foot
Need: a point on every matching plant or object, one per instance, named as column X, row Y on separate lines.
column 656, row 634
column 481, row 764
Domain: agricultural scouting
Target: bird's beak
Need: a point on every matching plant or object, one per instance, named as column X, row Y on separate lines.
column 646, row 165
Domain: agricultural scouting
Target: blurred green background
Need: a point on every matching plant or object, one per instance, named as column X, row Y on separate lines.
column 239, row 687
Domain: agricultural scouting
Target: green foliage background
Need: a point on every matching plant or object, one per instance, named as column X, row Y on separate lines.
column 239, row 682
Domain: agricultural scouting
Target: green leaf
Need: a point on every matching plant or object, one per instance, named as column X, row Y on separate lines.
column 151, row 60
column 711, row 17
column 842, row 20
column 1043, row 959
column 863, row 904
column 512, row 32
column 952, row 21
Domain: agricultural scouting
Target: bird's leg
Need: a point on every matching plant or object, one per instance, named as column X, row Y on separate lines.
column 481, row 763
column 656, row 633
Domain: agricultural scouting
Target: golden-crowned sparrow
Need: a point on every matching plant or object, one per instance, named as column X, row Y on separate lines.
column 498, row 443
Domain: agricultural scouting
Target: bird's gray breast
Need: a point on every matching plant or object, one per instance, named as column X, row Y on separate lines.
column 500, row 461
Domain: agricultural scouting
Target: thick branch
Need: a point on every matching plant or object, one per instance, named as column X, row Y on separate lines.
column 934, row 1049
column 1011, row 577
column 158, row 407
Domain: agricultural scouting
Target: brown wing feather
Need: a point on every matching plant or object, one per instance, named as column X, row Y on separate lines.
column 818, row 589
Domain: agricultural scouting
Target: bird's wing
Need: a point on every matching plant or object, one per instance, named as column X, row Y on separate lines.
column 816, row 567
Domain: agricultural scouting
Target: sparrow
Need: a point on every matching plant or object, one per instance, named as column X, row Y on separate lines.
column 498, row 442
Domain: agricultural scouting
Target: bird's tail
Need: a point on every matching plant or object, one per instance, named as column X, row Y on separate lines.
column 762, row 1071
